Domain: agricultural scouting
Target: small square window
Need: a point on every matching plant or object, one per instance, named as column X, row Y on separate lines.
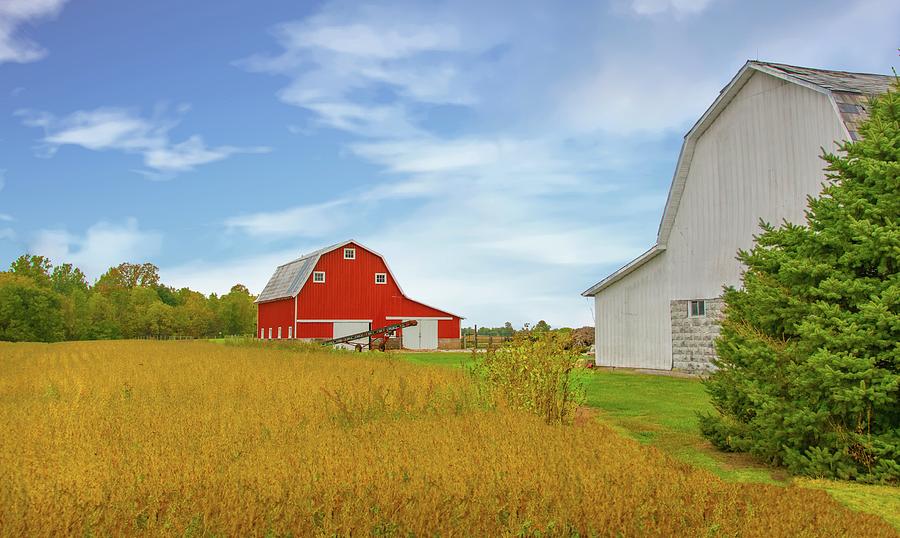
column 319, row 277
column 349, row 253
column 696, row 309
column 381, row 278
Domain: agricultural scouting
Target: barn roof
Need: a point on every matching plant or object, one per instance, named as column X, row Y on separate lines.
column 290, row 277
column 849, row 92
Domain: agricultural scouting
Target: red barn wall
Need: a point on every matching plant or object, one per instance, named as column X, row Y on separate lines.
column 348, row 293
column 275, row 314
column 447, row 328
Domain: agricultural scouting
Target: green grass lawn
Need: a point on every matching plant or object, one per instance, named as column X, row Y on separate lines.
column 662, row 411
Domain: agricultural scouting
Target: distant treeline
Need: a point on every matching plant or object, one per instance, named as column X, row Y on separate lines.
column 40, row 302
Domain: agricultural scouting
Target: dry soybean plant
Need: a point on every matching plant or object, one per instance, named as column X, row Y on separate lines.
column 199, row 439
column 535, row 371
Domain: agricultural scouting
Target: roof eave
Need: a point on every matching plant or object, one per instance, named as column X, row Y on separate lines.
column 624, row 271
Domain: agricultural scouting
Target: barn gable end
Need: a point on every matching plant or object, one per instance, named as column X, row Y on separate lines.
column 344, row 288
column 753, row 154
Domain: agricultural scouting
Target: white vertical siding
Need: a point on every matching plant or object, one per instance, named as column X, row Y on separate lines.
column 758, row 159
column 632, row 317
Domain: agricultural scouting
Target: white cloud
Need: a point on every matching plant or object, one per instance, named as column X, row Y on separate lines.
column 362, row 40
column 359, row 119
column 401, row 52
column 15, row 47
column 423, row 155
column 523, row 154
column 124, row 130
column 821, row 39
column 6, row 218
column 102, row 246
column 678, row 7
column 304, row 221
column 218, row 277
column 617, row 98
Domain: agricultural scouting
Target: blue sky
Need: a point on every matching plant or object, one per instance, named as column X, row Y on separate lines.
column 503, row 156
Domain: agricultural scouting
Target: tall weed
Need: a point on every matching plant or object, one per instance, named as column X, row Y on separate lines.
column 535, row 371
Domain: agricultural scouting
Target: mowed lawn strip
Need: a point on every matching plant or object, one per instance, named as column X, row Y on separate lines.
column 661, row 410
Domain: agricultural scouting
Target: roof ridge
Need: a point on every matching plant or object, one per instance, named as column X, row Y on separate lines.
column 822, row 70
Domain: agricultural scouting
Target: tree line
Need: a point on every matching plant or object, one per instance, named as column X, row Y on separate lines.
column 45, row 303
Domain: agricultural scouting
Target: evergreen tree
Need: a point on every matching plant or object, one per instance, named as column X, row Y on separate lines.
column 809, row 355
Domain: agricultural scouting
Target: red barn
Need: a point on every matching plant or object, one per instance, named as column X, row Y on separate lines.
column 341, row 290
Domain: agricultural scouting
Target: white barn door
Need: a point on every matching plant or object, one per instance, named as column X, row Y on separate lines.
column 428, row 338
column 346, row 328
column 421, row 336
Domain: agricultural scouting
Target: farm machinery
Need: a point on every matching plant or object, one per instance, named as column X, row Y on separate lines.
column 373, row 343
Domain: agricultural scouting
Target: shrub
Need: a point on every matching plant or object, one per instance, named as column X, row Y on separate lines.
column 535, row 372
column 809, row 354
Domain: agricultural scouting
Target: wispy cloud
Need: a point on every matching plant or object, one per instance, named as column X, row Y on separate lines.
column 102, row 245
column 521, row 154
column 316, row 220
column 677, row 7
column 208, row 276
column 14, row 47
column 125, row 130
column 399, row 53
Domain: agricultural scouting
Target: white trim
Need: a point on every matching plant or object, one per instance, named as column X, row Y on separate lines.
column 378, row 275
column 351, row 251
column 690, row 303
column 333, row 320
column 624, row 271
column 418, row 317
column 314, row 273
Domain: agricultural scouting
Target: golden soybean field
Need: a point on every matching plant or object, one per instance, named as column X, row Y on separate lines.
column 200, row 439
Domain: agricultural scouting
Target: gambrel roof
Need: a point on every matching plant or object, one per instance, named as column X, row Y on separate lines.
column 848, row 92
column 289, row 278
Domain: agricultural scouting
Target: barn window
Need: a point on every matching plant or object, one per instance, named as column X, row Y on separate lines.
column 349, row 253
column 289, row 333
column 270, row 333
column 279, row 333
column 262, row 334
column 696, row 309
column 319, row 277
column 381, row 278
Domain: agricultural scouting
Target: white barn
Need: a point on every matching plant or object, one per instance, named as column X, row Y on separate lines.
column 754, row 154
